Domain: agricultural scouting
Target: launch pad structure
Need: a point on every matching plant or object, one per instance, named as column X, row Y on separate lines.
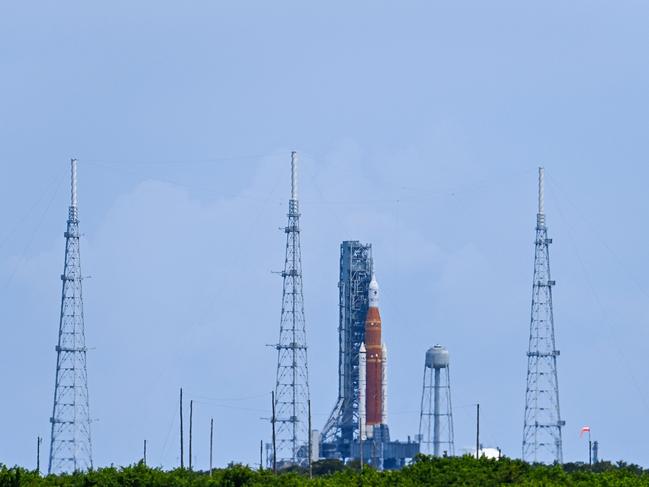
column 348, row 434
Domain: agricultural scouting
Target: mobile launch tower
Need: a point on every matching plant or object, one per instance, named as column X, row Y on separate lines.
column 342, row 427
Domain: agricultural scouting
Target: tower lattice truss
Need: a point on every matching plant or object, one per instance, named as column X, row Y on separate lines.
column 70, row 446
column 292, row 384
column 543, row 423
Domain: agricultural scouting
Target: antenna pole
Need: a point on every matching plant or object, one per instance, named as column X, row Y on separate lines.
column 294, row 176
column 73, row 202
column 541, row 191
column 540, row 217
column 182, row 452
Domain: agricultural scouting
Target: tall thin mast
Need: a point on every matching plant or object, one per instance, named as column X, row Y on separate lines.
column 542, row 422
column 71, row 445
column 292, row 382
column 541, row 191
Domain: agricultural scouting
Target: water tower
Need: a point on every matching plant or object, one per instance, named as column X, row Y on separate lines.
column 436, row 419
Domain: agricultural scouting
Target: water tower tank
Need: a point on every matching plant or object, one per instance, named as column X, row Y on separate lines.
column 437, row 357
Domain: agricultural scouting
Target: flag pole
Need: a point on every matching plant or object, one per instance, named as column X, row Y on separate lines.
column 586, row 429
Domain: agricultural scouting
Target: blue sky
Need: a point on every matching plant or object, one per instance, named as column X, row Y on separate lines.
column 419, row 127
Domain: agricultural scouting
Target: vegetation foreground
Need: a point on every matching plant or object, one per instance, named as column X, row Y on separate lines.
column 465, row 471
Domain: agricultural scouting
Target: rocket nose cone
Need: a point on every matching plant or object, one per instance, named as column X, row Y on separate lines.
column 374, row 292
column 374, row 285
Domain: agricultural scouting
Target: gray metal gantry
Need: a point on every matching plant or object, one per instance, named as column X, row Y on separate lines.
column 292, row 380
column 542, row 424
column 70, row 445
column 342, row 427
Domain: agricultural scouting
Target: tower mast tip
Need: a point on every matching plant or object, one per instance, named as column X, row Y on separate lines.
column 73, row 163
column 294, row 175
column 541, row 190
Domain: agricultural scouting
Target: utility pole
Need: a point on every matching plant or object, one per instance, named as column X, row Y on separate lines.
column 211, row 441
column 144, row 457
column 191, row 416
column 274, row 442
column 310, row 445
column 261, row 455
column 182, row 448
column 39, row 440
column 477, row 431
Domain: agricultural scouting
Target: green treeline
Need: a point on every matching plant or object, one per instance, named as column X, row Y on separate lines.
column 442, row 472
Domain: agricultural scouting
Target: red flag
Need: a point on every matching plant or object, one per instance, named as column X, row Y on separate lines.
column 585, row 429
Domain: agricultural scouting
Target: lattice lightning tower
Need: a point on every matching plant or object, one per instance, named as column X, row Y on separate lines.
column 71, row 446
column 542, row 426
column 292, row 385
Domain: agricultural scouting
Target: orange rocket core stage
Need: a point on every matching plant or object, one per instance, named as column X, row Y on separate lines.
column 374, row 357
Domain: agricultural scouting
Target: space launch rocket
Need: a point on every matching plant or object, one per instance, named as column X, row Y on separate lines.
column 372, row 369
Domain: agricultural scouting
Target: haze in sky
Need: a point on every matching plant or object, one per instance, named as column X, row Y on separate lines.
column 419, row 125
